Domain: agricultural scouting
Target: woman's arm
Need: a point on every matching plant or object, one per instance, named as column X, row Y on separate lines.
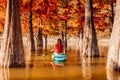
column 53, row 49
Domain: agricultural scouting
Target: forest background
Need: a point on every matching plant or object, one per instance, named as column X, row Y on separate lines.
column 50, row 14
column 64, row 18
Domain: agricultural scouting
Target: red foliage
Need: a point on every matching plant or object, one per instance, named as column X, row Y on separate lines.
column 3, row 3
column 51, row 12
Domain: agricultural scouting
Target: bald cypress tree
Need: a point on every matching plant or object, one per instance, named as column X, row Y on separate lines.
column 113, row 60
column 12, row 46
column 89, row 45
column 31, row 42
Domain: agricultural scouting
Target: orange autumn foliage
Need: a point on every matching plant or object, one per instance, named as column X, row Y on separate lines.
column 52, row 13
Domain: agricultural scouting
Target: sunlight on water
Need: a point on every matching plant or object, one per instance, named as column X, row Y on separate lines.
column 39, row 66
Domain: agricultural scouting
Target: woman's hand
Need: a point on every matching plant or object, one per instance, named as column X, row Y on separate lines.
column 52, row 50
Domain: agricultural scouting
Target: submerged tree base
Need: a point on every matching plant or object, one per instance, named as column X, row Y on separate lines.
column 114, row 67
column 94, row 56
column 17, row 65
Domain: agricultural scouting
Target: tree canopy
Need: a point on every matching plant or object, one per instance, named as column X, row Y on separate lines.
column 53, row 12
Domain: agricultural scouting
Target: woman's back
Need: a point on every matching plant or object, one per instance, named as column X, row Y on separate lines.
column 58, row 48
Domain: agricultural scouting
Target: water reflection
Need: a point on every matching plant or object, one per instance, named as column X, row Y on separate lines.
column 56, row 66
column 86, row 68
column 17, row 74
column 28, row 72
column 41, row 67
column 4, row 74
column 112, row 75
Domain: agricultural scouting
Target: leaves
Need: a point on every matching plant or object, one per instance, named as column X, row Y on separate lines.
column 54, row 12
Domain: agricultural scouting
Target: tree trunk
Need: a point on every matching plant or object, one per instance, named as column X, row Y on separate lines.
column 31, row 44
column 113, row 61
column 80, row 33
column 89, row 45
column 39, row 39
column 80, row 36
column 12, row 45
column 112, row 16
column 62, row 35
column 65, row 34
column 45, row 42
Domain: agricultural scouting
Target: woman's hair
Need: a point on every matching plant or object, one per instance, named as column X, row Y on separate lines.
column 59, row 41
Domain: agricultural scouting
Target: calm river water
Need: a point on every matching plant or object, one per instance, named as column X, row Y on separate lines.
column 39, row 67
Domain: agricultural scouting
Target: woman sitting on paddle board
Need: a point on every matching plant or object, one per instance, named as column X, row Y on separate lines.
column 58, row 47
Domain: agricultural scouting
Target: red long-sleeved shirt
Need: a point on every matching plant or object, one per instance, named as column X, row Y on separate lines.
column 58, row 49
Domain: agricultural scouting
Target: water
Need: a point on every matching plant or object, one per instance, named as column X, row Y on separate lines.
column 39, row 66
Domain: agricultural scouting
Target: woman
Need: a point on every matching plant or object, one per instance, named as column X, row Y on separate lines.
column 58, row 47
column 58, row 56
